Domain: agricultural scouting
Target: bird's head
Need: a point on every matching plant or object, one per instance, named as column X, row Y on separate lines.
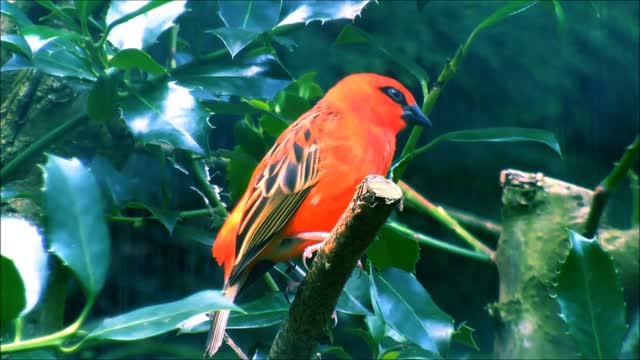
column 378, row 100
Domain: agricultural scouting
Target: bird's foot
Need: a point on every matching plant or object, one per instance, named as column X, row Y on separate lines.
column 308, row 253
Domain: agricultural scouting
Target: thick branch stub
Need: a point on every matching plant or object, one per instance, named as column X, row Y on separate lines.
column 310, row 314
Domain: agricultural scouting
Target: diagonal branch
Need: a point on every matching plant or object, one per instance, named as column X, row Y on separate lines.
column 309, row 315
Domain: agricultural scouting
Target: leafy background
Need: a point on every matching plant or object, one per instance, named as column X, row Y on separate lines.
column 152, row 129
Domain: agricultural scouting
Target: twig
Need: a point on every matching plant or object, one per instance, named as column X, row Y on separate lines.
column 235, row 347
column 602, row 191
column 310, row 313
column 475, row 223
column 429, row 241
column 438, row 213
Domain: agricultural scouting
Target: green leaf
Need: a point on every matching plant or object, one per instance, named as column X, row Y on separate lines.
column 249, row 139
column 17, row 62
column 168, row 114
column 256, row 74
column 13, row 292
column 511, row 8
column 134, row 58
column 560, row 18
column 591, row 299
column 505, row 134
column 266, row 311
column 306, row 11
column 159, row 319
column 138, row 24
column 102, row 105
column 16, row 43
column 12, row 10
column 390, row 249
column 355, row 298
column 408, row 308
column 464, row 335
column 61, row 57
column 78, row 235
column 235, row 39
column 22, row 244
column 38, row 35
column 256, row 16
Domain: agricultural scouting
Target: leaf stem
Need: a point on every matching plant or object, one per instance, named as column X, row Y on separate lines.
column 635, row 198
column 602, row 191
column 203, row 184
column 440, row 215
column 51, row 340
column 438, row 244
column 37, row 147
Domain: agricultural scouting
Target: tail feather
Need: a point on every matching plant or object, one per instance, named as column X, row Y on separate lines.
column 219, row 323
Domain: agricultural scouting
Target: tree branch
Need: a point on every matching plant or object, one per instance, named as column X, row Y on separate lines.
column 309, row 315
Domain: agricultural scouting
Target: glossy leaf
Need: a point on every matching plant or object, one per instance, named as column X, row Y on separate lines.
column 511, row 8
column 16, row 43
column 102, row 105
column 235, row 39
column 391, row 249
column 266, row 311
column 17, row 62
column 13, row 291
column 158, row 319
column 12, row 10
column 78, row 235
column 22, row 244
column 61, row 57
column 254, row 75
column 408, row 308
column 464, row 335
column 591, row 299
column 143, row 30
column 169, row 114
column 355, row 298
column 505, row 134
column 38, row 35
column 306, row 11
column 134, row 58
column 253, row 15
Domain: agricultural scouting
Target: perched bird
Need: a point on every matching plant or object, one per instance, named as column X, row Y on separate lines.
column 304, row 183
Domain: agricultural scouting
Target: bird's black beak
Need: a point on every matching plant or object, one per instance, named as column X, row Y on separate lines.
column 413, row 115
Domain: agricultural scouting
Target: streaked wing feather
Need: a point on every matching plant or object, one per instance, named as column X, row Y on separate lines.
column 276, row 195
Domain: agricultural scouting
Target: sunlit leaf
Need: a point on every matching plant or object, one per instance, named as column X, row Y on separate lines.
column 169, row 114
column 355, row 298
column 78, row 235
column 305, row 11
column 12, row 10
column 158, row 319
column 235, row 39
column 22, row 244
column 134, row 58
column 102, row 105
column 253, row 15
column 13, row 291
column 408, row 308
column 254, row 75
column 38, row 35
column 591, row 299
column 61, row 57
column 144, row 29
column 391, row 249
column 16, row 43
column 17, row 62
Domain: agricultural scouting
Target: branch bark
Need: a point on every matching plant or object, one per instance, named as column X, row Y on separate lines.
column 310, row 313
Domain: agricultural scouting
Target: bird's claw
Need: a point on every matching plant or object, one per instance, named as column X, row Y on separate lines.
column 308, row 254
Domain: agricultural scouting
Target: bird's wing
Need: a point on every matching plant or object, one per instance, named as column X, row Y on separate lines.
column 289, row 172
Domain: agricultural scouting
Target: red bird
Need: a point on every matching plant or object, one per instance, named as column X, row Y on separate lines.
column 303, row 184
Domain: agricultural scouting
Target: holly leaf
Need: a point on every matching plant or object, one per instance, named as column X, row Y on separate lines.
column 591, row 299
column 78, row 235
column 134, row 58
column 391, row 249
column 169, row 114
column 306, row 11
column 408, row 308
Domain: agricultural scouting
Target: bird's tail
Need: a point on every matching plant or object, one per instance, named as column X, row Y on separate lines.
column 219, row 322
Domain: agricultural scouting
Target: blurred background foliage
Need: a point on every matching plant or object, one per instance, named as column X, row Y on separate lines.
column 571, row 69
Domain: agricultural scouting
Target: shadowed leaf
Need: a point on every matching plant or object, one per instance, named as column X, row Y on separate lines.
column 355, row 298
column 390, row 249
column 591, row 299
column 14, row 297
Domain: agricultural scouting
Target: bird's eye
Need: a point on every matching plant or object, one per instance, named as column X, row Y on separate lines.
column 395, row 95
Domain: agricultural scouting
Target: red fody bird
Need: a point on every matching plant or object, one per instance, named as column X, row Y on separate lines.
column 304, row 183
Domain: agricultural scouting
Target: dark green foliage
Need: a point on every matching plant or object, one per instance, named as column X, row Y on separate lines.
column 591, row 299
column 196, row 93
